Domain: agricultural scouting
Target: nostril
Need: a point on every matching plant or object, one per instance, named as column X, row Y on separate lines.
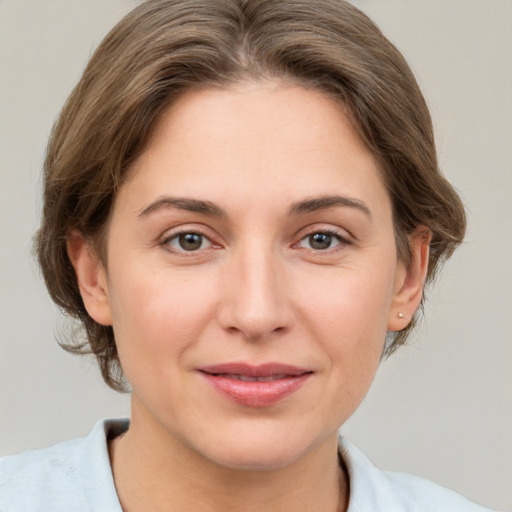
column 254, row 306
column 256, row 334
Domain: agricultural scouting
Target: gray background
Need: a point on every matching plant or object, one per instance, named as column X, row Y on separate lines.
column 441, row 407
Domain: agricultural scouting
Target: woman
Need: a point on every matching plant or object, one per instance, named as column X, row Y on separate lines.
column 242, row 206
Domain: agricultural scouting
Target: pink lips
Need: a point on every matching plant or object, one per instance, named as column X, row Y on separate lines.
column 256, row 386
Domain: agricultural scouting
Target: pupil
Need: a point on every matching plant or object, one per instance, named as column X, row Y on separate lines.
column 190, row 241
column 320, row 241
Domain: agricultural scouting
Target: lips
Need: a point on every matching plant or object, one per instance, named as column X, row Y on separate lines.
column 256, row 386
column 246, row 378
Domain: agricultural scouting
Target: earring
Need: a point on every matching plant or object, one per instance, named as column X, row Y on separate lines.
column 400, row 315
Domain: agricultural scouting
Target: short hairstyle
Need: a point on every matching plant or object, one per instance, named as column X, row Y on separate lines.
column 164, row 48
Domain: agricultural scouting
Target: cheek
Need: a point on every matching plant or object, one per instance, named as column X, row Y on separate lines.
column 347, row 314
column 351, row 302
column 157, row 316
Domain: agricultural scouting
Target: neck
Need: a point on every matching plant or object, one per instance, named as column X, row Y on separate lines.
column 154, row 471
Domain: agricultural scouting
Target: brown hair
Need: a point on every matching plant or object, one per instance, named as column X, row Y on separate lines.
column 165, row 47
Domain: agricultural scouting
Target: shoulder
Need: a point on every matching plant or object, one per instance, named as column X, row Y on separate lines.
column 417, row 493
column 379, row 491
column 29, row 480
column 55, row 478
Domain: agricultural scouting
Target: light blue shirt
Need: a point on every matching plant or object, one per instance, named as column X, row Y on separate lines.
column 76, row 476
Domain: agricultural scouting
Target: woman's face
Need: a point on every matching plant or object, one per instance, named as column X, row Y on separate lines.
column 252, row 274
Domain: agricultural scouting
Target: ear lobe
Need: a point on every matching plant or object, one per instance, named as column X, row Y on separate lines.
column 91, row 277
column 410, row 280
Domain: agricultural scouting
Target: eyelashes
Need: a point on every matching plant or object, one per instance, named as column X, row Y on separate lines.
column 188, row 241
column 193, row 241
column 323, row 240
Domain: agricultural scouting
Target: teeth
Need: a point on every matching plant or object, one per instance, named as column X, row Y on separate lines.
column 271, row 377
column 246, row 378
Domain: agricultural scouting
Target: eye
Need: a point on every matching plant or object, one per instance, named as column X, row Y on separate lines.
column 321, row 241
column 188, row 241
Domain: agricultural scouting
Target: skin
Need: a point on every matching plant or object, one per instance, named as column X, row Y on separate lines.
column 257, row 289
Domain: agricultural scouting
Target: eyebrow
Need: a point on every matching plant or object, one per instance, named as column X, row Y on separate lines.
column 183, row 203
column 323, row 202
column 208, row 208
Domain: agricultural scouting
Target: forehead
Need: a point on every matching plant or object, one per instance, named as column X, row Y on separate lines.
column 255, row 139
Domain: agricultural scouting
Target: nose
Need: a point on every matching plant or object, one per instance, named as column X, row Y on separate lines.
column 255, row 302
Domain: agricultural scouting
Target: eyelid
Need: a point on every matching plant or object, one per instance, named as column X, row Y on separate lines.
column 345, row 238
column 342, row 235
column 172, row 233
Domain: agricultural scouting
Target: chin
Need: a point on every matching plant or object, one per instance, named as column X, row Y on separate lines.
column 262, row 459
column 260, row 451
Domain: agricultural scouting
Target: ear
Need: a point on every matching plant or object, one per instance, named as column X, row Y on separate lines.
column 91, row 276
column 409, row 280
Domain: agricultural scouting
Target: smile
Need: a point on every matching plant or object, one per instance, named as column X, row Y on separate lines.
column 255, row 386
column 246, row 378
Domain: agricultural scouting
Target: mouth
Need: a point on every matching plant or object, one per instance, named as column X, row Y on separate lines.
column 256, row 386
column 247, row 378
